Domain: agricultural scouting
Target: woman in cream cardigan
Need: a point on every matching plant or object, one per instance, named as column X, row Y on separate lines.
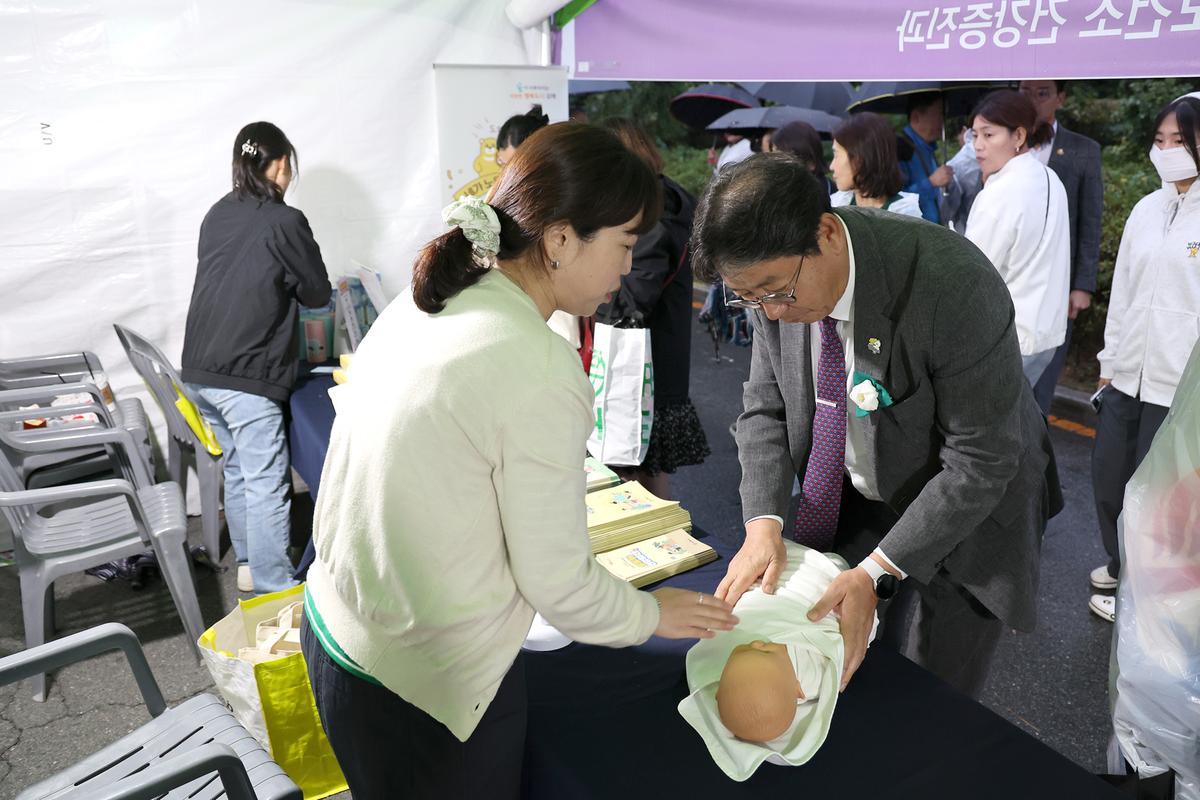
column 1019, row 221
column 452, row 497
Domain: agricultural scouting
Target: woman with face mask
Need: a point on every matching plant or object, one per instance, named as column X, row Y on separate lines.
column 1153, row 325
column 1019, row 220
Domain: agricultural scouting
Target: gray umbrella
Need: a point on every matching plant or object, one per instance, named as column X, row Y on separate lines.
column 771, row 117
column 699, row 106
column 891, row 97
column 832, row 98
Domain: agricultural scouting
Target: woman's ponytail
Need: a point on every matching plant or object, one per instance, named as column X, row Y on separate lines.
column 1042, row 133
column 443, row 268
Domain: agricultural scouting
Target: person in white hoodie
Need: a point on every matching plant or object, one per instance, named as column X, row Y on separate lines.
column 866, row 169
column 1019, row 220
column 1153, row 325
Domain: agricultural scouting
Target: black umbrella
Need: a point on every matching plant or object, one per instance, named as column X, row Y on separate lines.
column 891, row 97
column 746, row 120
column 832, row 98
column 699, row 107
column 577, row 88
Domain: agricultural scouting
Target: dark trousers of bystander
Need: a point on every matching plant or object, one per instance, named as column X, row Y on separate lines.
column 938, row 625
column 1125, row 429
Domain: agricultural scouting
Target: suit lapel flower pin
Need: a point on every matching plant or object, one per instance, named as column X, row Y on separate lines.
column 873, row 345
column 868, row 395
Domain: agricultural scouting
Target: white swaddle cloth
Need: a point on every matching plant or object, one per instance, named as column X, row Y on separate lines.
column 816, row 651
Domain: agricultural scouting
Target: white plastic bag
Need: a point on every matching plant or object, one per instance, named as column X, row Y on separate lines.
column 1155, row 676
column 622, row 376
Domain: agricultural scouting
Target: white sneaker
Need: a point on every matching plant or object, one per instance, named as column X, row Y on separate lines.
column 245, row 582
column 1101, row 579
column 1104, row 606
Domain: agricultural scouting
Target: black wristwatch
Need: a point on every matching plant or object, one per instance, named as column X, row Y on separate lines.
column 886, row 584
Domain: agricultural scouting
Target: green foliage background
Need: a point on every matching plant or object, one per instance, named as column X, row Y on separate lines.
column 1119, row 114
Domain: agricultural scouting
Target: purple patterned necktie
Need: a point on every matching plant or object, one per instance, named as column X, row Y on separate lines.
column 821, row 494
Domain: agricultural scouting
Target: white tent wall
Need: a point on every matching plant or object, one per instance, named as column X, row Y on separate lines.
column 117, row 125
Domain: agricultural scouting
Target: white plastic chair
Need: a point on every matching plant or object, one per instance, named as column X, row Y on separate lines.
column 195, row 750
column 65, row 529
column 38, row 380
column 166, row 385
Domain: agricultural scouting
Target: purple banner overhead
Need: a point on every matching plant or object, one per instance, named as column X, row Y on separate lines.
column 860, row 40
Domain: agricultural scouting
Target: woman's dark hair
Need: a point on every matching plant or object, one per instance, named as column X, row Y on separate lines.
column 801, row 140
column 517, row 129
column 634, row 137
column 767, row 206
column 256, row 146
column 870, row 144
column 1012, row 109
column 1187, row 114
column 567, row 172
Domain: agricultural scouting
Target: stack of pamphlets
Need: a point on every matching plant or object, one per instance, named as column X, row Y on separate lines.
column 627, row 513
column 657, row 558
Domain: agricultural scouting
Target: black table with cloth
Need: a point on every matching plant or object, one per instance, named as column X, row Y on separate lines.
column 603, row 723
column 310, row 413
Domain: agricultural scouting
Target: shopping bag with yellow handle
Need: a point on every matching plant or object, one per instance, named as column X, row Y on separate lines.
column 254, row 657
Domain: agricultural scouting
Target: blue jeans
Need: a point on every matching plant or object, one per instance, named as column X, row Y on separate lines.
column 258, row 480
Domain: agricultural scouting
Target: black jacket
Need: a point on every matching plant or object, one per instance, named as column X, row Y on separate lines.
column 257, row 261
column 657, row 294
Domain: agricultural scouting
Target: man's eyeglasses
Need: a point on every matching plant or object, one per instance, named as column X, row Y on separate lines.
column 785, row 298
column 1042, row 93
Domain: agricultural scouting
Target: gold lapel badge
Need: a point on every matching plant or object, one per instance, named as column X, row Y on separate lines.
column 873, row 345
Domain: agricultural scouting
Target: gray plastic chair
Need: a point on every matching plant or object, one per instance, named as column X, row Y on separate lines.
column 65, row 529
column 163, row 379
column 43, row 378
column 55, row 466
column 195, row 750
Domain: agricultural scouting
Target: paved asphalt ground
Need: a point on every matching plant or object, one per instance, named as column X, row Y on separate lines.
column 1052, row 683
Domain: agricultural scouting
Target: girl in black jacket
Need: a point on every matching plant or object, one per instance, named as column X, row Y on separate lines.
column 257, row 262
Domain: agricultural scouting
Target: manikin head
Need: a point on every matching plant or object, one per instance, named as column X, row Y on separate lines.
column 759, row 691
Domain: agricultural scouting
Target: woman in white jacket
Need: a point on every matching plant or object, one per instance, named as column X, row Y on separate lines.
column 1019, row 221
column 1153, row 325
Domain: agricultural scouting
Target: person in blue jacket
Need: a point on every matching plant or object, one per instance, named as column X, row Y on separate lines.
column 922, row 174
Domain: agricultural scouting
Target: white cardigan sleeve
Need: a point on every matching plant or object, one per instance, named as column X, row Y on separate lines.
column 540, row 484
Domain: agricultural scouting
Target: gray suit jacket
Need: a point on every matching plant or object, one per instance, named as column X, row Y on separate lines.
column 963, row 455
column 1076, row 161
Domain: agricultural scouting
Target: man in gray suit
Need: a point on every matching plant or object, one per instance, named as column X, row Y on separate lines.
column 937, row 472
column 1076, row 161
